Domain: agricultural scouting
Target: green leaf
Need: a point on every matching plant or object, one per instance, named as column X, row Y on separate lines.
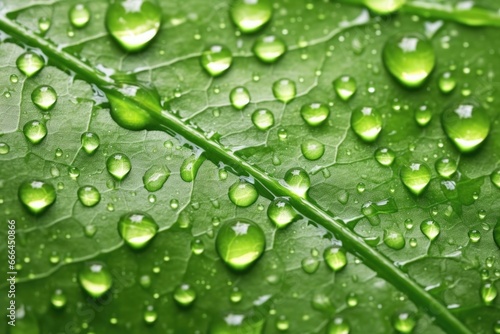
column 352, row 253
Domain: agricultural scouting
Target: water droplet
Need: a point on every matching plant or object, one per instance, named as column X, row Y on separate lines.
column 240, row 242
column 393, row 239
column 416, row 177
column 243, row 194
column 79, row 15
column 446, row 167
column 190, row 167
column 284, row 90
column 447, row 82
column 251, row 15
column 282, row 323
column 269, row 48
column 474, row 236
column 155, row 177
column 338, row 326
column 404, row 322
column 495, row 177
column 312, row 149
column 37, row 195
column 409, row 58
column 281, row 212
column 496, row 234
column 44, row 97
column 352, row 299
column 385, row 156
column 335, row 258
column 467, row 125
column 384, row 6
column 430, row 229
column 14, row 78
column 263, row 119
column 184, row 295
column 150, row 315
column 197, row 247
column 239, row 97
column 133, row 24
column 90, row 142
column 58, row 299
column 4, row 148
column 30, row 63
column 298, row 181
column 137, row 229
column 35, row 131
column 118, row 165
column 423, row 115
column 310, row 265
column 95, row 279
column 366, row 123
column 345, row 87
column 488, row 292
column 89, row 196
column 44, row 24
column 216, row 59
column 315, row 114
column 236, row 295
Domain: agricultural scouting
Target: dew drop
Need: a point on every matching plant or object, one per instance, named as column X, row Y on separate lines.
column 190, row 166
column 236, row 295
column 488, row 292
column 133, row 24
column 35, row 131
column 416, row 177
column 263, row 119
column 14, row 78
column 137, row 229
column 118, row 165
column 95, row 279
column 298, row 181
column 495, row 177
column 240, row 242
column 447, row 82
column 44, row 97
column 251, row 15
column 345, row 87
column 384, row 6
column 496, row 234
column 89, row 196
column 385, row 156
column 216, row 59
column 155, row 177
column 423, row 115
column 79, row 15
column 239, row 97
column 446, row 167
column 243, row 194
column 4, row 148
column 404, row 322
column 430, row 229
column 58, row 299
column 281, row 212
column 37, row 195
column 467, row 125
column 150, row 315
column 30, row 63
column 393, row 239
column 44, row 24
column 269, row 48
column 197, row 247
column 284, row 90
column 312, row 149
column 310, row 265
column 90, row 142
column 366, row 123
column 184, row 295
column 335, row 258
column 474, row 236
column 282, row 323
column 315, row 114
column 338, row 326
column 409, row 58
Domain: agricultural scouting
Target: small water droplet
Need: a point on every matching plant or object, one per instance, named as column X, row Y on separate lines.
column 239, row 97
column 335, row 258
column 404, row 322
column 385, row 156
column 184, row 295
column 37, row 195
column 366, row 123
column 446, row 167
column 263, row 119
column 393, row 239
column 190, row 166
column 58, row 299
column 95, row 279
column 137, row 229
column 282, row 323
column 488, row 292
column 35, row 131
column 284, row 90
column 155, row 177
column 416, row 176
column 281, row 212
column 216, row 59
column 495, row 177
column 197, row 247
column 474, row 236
column 298, row 181
column 447, row 82
column 251, row 15
column 89, row 196
column 243, row 194
column 384, row 7
column 150, row 315
column 310, row 265
column 423, row 115
column 430, row 229
column 345, row 87
column 312, row 149
column 90, row 142
column 118, row 165
column 236, row 295
column 315, row 114
column 44, row 24
column 30, row 63
column 269, row 48
column 79, row 15
column 14, row 78
column 338, row 326
column 44, row 97
column 240, row 242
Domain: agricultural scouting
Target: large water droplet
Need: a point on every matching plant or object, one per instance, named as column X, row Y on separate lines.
column 133, row 23
column 263, row 119
column 446, row 167
column 335, row 258
column 95, row 279
column 384, row 6
column 243, row 194
column 155, row 177
column 416, row 177
column 35, row 131
column 240, row 242
column 90, row 142
column 44, row 97
column 216, row 59
column 79, row 15
column 137, row 229
column 394, row 239
column 366, row 123
column 118, row 165
column 269, row 48
column 284, row 90
column 37, row 195
column 312, row 149
column 430, row 229
column 345, row 87
column 385, row 156
column 489, row 292
column 89, row 196
column 250, row 15
column 409, row 58
column 184, row 295
column 239, row 97
column 467, row 125
column 338, row 326
column 281, row 212
column 315, row 113
column 30, row 63
column 404, row 322
column 298, row 181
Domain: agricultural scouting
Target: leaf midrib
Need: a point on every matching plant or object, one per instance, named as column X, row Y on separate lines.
column 216, row 152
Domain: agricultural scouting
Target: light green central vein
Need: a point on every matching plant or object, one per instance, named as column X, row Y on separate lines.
column 217, row 153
